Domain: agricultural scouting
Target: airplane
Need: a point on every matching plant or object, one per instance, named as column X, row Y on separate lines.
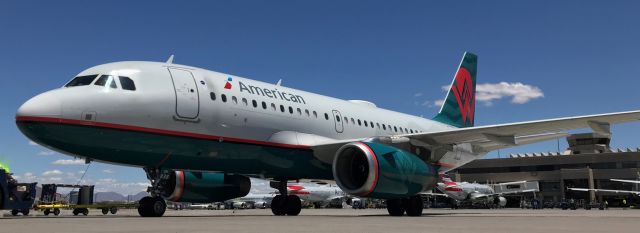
column 612, row 190
column 464, row 193
column 199, row 135
column 320, row 196
column 253, row 200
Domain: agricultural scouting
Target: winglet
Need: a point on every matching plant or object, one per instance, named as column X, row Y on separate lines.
column 279, row 82
column 170, row 60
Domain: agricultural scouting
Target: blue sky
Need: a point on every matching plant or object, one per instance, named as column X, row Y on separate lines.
column 581, row 56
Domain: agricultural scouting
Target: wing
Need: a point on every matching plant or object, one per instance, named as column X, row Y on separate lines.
column 604, row 190
column 507, row 135
column 483, row 139
column 516, row 192
column 627, row 181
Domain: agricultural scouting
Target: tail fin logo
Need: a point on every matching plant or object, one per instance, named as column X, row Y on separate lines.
column 228, row 84
column 463, row 91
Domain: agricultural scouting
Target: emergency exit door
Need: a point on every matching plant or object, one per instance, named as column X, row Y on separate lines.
column 337, row 117
column 186, row 90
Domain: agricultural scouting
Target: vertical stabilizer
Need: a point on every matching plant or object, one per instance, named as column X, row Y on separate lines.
column 459, row 106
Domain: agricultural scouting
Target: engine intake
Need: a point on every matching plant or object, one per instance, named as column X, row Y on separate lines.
column 381, row 171
column 203, row 187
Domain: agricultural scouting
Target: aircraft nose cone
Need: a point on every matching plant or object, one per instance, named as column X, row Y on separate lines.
column 43, row 105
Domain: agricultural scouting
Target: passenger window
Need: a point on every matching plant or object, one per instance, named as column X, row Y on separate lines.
column 378, row 124
column 264, row 105
column 245, row 102
column 290, row 110
column 315, row 114
column 365, row 124
column 371, row 123
column 353, row 121
column 281, row 108
column 255, row 103
column 224, row 98
column 326, row 116
column 346, row 120
column 395, row 129
column 106, row 80
column 234, row 99
column 384, row 127
column 306, row 111
column 81, row 80
column 273, row 106
column 359, row 123
column 213, row 96
column 299, row 111
column 127, row 83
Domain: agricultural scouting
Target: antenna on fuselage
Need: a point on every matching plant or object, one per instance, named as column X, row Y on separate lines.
column 279, row 82
column 170, row 60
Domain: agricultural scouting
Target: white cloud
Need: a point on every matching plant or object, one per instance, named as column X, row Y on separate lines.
column 109, row 171
column 46, row 152
column 417, row 94
column 519, row 93
column 431, row 104
column 68, row 162
column 52, row 173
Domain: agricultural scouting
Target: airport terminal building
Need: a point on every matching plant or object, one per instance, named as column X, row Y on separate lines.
column 589, row 162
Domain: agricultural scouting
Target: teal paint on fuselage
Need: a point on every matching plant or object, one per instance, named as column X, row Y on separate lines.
column 176, row 152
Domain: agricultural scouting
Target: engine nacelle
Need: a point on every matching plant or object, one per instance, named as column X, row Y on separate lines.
column 500, row 201
column 203, row 187
column 380, row 171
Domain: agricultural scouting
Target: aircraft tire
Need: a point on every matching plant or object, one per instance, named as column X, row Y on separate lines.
column 278, row 205
column 113, row 210
column 105, row 211
column 47, row 212
column 144, row 206
column 56, row 211
column 293, row 205
column 413, row 206
column 395, row 207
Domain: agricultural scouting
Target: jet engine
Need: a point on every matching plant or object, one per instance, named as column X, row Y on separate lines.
column 500, row 201
column 202, row 187
column 381, row 171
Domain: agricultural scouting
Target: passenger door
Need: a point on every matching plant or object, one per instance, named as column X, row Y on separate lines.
column 337, row 118
column 186, row 89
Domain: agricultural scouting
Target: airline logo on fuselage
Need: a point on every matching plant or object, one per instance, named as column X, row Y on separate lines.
column 228, row 84
column 271, row 93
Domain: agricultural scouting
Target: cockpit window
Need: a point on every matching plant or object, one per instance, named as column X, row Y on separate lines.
column 81, row 80
column 127, row 83
column 106, row 80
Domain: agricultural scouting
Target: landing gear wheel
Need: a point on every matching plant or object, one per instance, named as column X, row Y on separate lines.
column 85, row 211
column 47, row 212
column 76, row 212
column 113, row 210
column 15, row 212
column 56, row 211
column 25, row 212
column 395, row 207
column 105, row 211
column 152, row 207
column 293, row 205
column 413, row 206
column 278, row 205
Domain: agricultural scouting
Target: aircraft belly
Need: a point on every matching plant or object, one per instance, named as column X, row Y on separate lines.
column 144, row 149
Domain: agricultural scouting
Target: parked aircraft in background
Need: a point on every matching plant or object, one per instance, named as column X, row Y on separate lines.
column 199, row 135
column 251, row 201
column 474, row 194
column 320, row 196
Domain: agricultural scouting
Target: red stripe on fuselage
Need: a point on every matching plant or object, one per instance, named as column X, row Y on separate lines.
column 155, row 131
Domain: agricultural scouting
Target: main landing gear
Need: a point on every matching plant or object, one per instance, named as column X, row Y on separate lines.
column 154, row 205
column 284, row 204
column 412, row 206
